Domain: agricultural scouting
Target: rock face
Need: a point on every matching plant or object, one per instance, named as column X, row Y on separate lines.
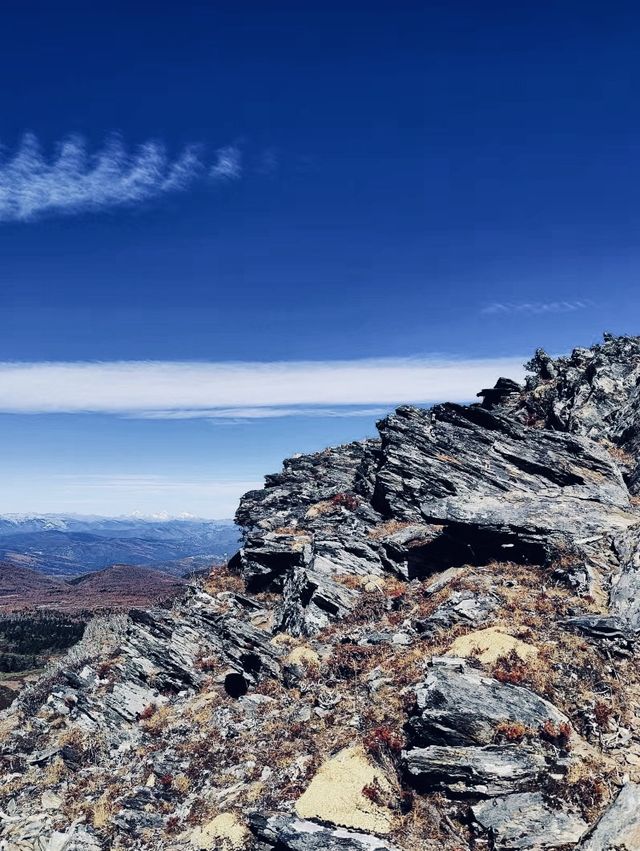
column 526, row 821
column 310, row 695
column 455, row 705
column 593, row 392
column 502, row 478
column 487, row 771
column 619, row 827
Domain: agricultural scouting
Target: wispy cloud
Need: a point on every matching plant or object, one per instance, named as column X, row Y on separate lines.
column 228, row 164
column 174, row 390
column 73, row 179
column 536, row 307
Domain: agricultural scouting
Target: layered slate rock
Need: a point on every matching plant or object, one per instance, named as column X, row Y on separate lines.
column 456, row 705
column 157, row 657
column 524, row 820
column 496, row 484
column 619, row 628
column 286, row 833
column 307, row 528
column 482, row 771
column 624, row 594
column 593, row 392
column 619, row 827
column 455, row 485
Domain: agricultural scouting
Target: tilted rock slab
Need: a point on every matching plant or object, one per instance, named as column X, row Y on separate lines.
column 524, row 821
column 624, row 594
column 287, row 833
column 456, row 705
column 619, row 827
column 593, row 392
column 468, row 466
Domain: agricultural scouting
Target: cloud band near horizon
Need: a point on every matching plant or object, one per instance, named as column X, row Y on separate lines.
column 232, row 390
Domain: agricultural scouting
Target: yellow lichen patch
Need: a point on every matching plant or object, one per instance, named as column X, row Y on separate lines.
column 370, row 582
column 488, row 645
column 102, row 812
column 336, row 793
column 224, row 831
column 303, row 655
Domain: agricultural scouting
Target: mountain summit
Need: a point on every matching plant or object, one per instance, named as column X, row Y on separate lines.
column 427, row 641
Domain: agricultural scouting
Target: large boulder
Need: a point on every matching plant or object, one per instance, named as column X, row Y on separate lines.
column 482, row 771
column 619, row 827
column 496, row 483
column 457, row 705
column 525, row 821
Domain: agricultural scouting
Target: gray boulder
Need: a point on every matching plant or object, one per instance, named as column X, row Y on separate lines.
column 619, row 827
column 524, row 821
column 624, row 594
column 483, row 771
column 456, row 705
column 288, row 833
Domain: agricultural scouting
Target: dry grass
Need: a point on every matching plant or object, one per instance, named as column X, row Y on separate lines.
column 158, row 721
column 223, row 579
column 388, row 528
column 102, row 812
column 54, row 773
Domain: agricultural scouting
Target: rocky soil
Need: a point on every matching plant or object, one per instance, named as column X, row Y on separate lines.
column 427, row 641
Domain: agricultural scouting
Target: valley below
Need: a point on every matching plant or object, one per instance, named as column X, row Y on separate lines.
column 57, row 573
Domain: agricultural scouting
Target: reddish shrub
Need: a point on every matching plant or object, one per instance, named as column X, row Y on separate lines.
column 349, row 660
column 511, row 669
column 148, row 712
column 382, row 740
column 345, row 500
column 603, row 713
column 373, row 792
column 556, row 734
column 512, row 731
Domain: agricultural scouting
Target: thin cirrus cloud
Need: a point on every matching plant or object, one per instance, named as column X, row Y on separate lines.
column 536, row 307
column 224, row 391
column 75, row 180
column 228, row 164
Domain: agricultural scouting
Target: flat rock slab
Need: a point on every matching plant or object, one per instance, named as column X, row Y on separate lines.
column 619, row 827
column 456, row 705
column 524, row 820
column 287, row 833
column 485, row 771
column 461, row 607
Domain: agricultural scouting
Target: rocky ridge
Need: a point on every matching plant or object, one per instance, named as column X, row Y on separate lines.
column 427, row 641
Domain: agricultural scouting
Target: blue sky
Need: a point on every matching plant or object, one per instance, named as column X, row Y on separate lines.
column 295, row 190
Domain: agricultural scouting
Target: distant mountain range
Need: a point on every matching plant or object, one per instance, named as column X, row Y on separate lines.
column 61, row 545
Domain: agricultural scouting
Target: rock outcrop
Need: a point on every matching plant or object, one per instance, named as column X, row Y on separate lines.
column 427, row 641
